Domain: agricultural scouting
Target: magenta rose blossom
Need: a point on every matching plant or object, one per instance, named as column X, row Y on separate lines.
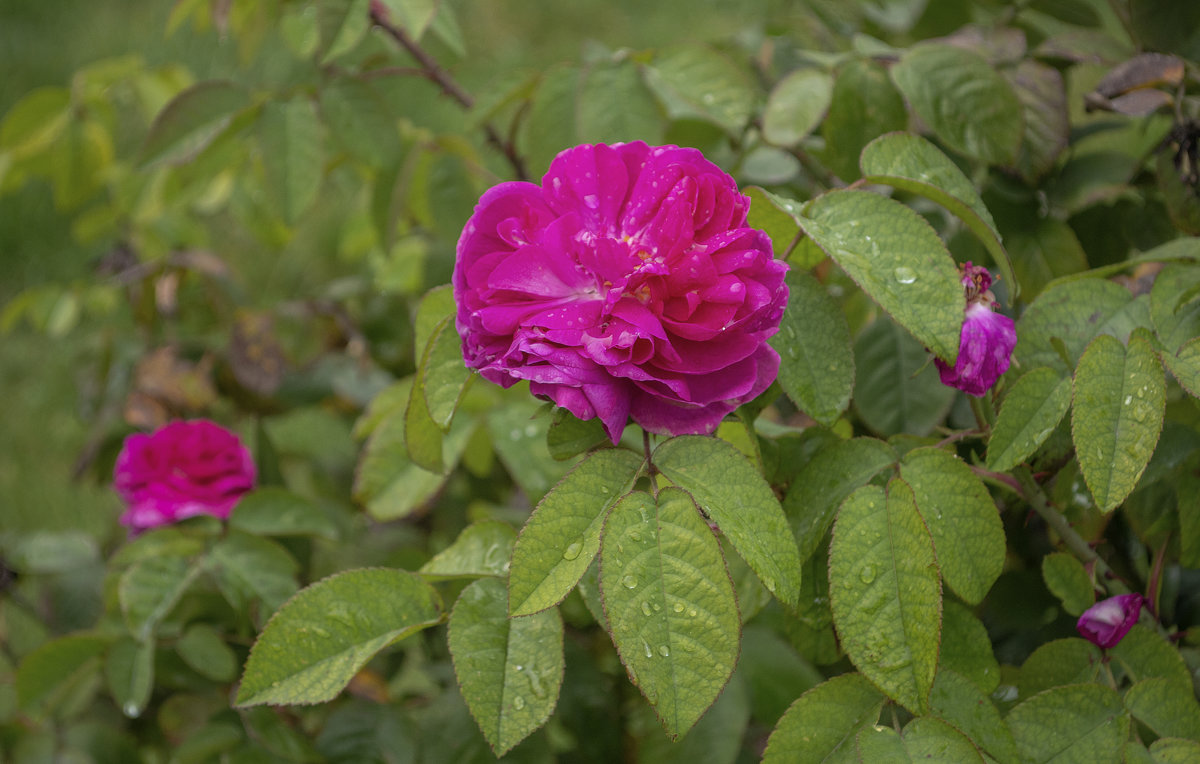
column 1107, row 622
column 987, row 341
column 181, row 470
column 626, row 285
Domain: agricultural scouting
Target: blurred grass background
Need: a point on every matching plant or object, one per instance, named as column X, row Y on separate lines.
column 42, row 44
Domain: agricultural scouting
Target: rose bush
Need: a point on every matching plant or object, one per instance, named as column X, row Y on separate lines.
column 627, row 284
column 180, row 470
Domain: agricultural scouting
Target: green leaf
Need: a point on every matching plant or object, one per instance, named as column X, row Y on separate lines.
column 361, row 120
column 913, row 164
column 202, row 648
column 960, row 702
column 1120, row 398
column 963, row 100
column 897, row 388
column 441, row 374
column 192, row 120
column 716, row 738
column 1173, row 305
column 250, row 568
column 274, row 511
column 276, row 738
column 796, row 105
column 671, row 607
column 388, row 482
column 343, row 24
column 1185, row 366
column 1082, row 723
column 129, row 669
column 698, row 81
column 35, row 122
column 865, row 105
column 414, row 16
column 885, row 592
column 833, row 474
column 771, row 666
column 1144, row 654
column 1031, row 410
column 928, row 739
column 1159, row 704
column 615, row 104
column 510, row 670
column 966, row 647
column 1174, row 751
column 1043, row 97
column 1057, row 663
column 482, row 549
column 735, row 495
column 1042, row 250
column 967, row 534
column 289, row 136
column 518, row 432
column 562, row 536
column 570, row 436
column 51, row 672
column 817, row 360
column 1066, row 579
column 778, row 217
column 1074, row 312
column 150, row 588
column 317, row 642
column 898, row 260
column 824, row 721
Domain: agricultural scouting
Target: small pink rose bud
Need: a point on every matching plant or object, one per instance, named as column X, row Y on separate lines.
column 987, row 340
column 1107, row 622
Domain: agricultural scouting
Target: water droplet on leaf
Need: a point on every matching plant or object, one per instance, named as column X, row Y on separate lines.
column 630, row 582
column 645, row 608
column 905, row 275
column 664, row 651
column 867, row 574
column 518, row 702
column 572, row 551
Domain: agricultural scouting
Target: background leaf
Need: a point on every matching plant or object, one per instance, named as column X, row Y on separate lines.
column 966, row 102
column 320, row 639
column 1080, row 722
column 817, row 362
column 897, row 387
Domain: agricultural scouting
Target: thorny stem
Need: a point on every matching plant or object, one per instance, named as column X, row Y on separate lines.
column 1033, row 493
column 434, row 72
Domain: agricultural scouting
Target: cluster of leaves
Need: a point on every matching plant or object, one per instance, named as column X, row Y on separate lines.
column 862, row 565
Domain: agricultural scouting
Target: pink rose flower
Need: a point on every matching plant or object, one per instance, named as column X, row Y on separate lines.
column 626, row 285
column 181, row 470
column 1107, row 622
column 987, row 340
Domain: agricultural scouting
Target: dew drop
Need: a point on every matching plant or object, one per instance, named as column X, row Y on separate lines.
column 518, row 702
column 572, row 551
column 664, row 651
column 678, row 608
column 132, row 710
column 646, row 608
column 1128, row 399
column 692, row 613
column 591, row 201
column 649, row 652
column 630, row 582
column 770, row 584
column 867, row 574
column 905, row 275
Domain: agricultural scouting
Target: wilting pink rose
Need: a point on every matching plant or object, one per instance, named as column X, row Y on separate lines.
column 627, row 284
column 1107, row 622
column 987, row 340
column 181, row 470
